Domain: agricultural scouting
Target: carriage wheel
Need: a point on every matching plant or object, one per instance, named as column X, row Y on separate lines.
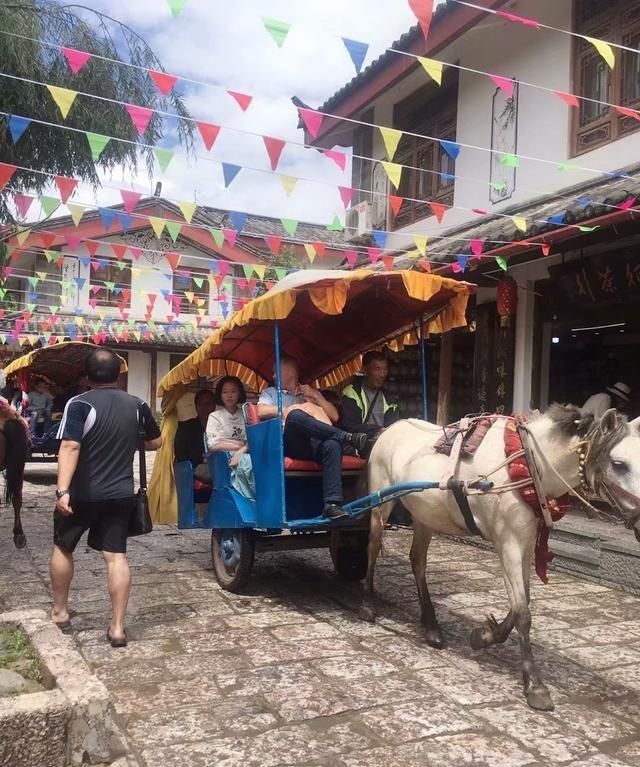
column 349, row 552
column 232, row 552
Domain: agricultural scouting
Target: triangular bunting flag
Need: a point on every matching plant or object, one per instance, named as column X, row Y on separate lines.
column 391, row 138
column 75, row 59
column 357, row 51
column 501, row 263
column 451, row 148
column 312, row 120
column 49, row 204
column 17, row 126
column 119, row 250
column 97, row 143
column 176, row 7
column 277, row 29
column 238, row 220
column 288, row 184
column 395, row 203
column 380, row 238
column 290, row 226
column 394, row 172
column 351, row 257
column 423, row 11
column 274, row 147
column 174, row 228
column 520, row 223
column 346, row 195
column 66, row 187
column 241, row 99
column 140, row 116
column 209, row 133
column 432, row 68
column 173, row 260
column 628, row 112
column 63, row 97
column 274, row 243
column 546, row 248
column 281, row 273
column 230, row 171
column 374, row 254
column 248, row 270
column 157, row 224
column 129, row 199
column 568, row 98
column 504, row 84
column 163, row 157
column 336, row 225
column 339, row 158
column 311, row 252
column 22, row 203
column 425, row 264
column 477, row 246
column 462, row 261
column 108, row 216
column 6, row 172
column 164, row 82
column 230, row 236
column 259, row 270
column 604, row 49
column 438, row 210
column 22, row 236
column 519, row 19
column 388, row 262
column 187, row 209
column 421, row 243
column 320, row 248
column 218, row 237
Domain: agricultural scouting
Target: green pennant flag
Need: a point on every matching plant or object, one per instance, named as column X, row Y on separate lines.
column 588, row 228
column 110, row 285
column 164, row 157
column 33, row 281
column 151, row 325
column 501, row 262
column 49, row 204
column 65, row 285
column 54, row 309
column 510, row 161
column 121, row 265
column 176, row 6
column 97, row 144
column 31, row 307
column 280, row 273
column 218, row 237
column 2, row 292
column 277, row 29
column 199, row 281
column 290, row 226
column 335, row 225
column 174, row 228
column 248, row 270
column 51, row 255
column 567, row 166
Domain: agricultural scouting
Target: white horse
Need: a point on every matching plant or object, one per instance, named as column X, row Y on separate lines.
column 570, row 450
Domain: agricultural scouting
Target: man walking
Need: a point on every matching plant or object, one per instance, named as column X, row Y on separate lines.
column 99, row 433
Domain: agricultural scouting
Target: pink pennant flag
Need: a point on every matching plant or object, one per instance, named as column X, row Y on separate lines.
column 75, row 59
column 223, row 268
column 164, row 82
column 351, row 257
column 209, row 133
column 568, row 98
column 455, row 266
column 73, row 242
column 135, row 253
column 339, row 158
column 504, row 83
column 242, row 99
column 628, row 112
column 274, row 147
column 479, row 211
column 423, row 11
column 425, row 264
column 130, row 199
column 230, row 236
column 519, row 19
column 346, row 195
column 312, row 120
column 477, row 246
column 374, row 254
column 93, row 303
column 546, row 249
column 66, row 187
column 22, row 203
column 140, row 116
column 627, row 204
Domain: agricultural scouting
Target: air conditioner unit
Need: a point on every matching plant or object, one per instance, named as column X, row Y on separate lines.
column 358, row 221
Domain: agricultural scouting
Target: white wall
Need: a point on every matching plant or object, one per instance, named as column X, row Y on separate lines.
column 163, row 368
column 139, row 379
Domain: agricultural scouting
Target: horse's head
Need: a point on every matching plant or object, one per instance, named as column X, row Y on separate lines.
column 612, row 465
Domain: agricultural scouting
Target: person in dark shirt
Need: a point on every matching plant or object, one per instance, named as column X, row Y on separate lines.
column 99, row 433
column 189, row 442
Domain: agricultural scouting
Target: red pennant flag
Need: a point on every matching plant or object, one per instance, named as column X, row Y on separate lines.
column 479, row 211
column 47, row 239
column 388, row 262
column 219, row 279
column 477, row 246
column 374, row 254
column 425, row 264
column 209, row 133
column 628, row 112
column 320, row 248
column 242, row 99
column 568, row 98
column 173, row 259
column 75, row 59
column 164, row 82
column 6, row 171
column 119, row 250
column 252, row 285
column 140, row 116
column 546, row 249
column 312, row 120
column 92, row 247
column 396, row 203
column 423, row 11
column 339, row 158
column 438, row 210
column 95, row 265
column 346, row 194
column 274, row 243
column 274, row 148
column 130, row 199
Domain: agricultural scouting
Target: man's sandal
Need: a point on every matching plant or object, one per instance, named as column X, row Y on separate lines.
column 117, row 642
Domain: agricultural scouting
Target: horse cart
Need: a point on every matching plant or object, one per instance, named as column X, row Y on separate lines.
column 326, row 320
column 62, row 367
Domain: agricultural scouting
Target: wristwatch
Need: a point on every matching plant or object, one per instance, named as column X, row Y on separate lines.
column 61, row 493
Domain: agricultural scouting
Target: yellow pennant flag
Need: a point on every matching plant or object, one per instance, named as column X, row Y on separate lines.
column 421, row 243
column 288, row 184
column 189, row 296
column 23, row 236
column 187, row 209
column 259, row 270
column 394, row 172
column 520, row 223
column 311, row 252
column 432, row 68
column 604, row 49
column 391, row 138
column 77, row 212
column 157, row 224
column 63, row 97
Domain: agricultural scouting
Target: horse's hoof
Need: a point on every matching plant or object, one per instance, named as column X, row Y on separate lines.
column 367, row 614
column 540, row 699
column 434, row 638
column 481, row 638
column 20, row 540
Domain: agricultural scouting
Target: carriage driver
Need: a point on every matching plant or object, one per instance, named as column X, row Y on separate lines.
column 309, row 431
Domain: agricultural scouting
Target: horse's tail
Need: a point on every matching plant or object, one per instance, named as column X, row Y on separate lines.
column 17, row 448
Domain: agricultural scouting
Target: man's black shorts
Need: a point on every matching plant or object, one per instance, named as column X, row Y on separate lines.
column 106, row 521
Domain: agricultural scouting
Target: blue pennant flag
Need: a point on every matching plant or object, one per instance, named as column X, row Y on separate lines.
column 102, row 262
column 584, row 202
column 357, row 51
column 78, row 310
column 557, row 219
column 72, row 332
column 463, row 262
column 238, row 220
column 117, row 291
column 108, row 217
column 85, row 261
column 80, row 281
column 107, row 321
column 380, row 238
column 229, row 172
column 17, row 126
column 224, row 308
column 165, row 294
column 451, row 148
column 125, row 221
column 32, row 297
column 447, row 177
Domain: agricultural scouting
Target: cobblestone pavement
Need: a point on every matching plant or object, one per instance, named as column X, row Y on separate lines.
column 287, row 675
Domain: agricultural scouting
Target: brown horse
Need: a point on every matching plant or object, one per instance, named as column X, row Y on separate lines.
column 14, row 448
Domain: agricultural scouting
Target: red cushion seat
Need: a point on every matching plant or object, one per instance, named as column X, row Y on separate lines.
column 349, row 463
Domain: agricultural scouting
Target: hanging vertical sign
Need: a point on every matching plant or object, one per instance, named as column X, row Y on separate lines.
column 504, row 143
column 70, row 275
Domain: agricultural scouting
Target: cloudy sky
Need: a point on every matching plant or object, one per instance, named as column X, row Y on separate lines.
column 224, row 43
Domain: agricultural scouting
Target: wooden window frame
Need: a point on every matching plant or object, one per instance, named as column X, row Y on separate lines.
column 615, row 25
column 113, row 299
column 362, row 170
column 187, row 307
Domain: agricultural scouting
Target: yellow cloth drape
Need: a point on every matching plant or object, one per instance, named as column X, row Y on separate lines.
column 163, row 499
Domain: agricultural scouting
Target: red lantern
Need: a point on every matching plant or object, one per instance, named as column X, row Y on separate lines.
column 507, row 298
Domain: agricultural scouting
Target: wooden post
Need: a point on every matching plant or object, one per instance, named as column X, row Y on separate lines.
column 444, row 381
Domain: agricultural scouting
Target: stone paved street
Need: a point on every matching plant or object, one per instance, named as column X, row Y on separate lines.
column 287, row 675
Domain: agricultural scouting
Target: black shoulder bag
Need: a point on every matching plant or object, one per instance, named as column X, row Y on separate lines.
column 140, row 521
